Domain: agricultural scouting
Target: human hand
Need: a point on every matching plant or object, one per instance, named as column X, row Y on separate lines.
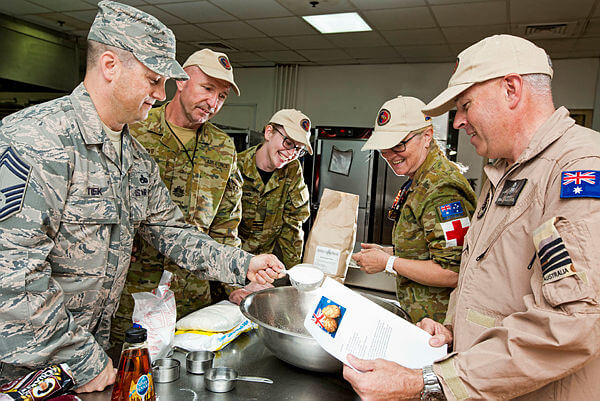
column 383, row 380
column 371, row 260
column 238, row 295
column 388, row 249
column 265, row 268
column 100, row 382
column 133, row 251
column 441, row 334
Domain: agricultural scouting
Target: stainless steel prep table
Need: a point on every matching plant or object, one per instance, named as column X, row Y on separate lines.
column 248, row 355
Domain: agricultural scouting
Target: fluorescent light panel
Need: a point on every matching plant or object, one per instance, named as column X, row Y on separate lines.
column 337, row 23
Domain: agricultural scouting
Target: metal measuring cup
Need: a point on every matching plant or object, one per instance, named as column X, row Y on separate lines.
column 221, row 380
column 198, row 362
column 165, row 370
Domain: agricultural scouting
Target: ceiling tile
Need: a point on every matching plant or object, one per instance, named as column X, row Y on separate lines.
column 21, row 7
column 491, row 12
column 63, row 5
column 355, row 39
column 248, row 9
column 242, row 57
column 201, row 11
column 472, row 34
column 87, row 16
column 257, row 63
column 538, row 11
column 162, row 16
column 191, row 33
column 415, row 17
column 405, row 37
column 257, row 44
column 585, row 44
column 285, row 56
column 322, row 55
column 437, row 2
column 593, row 27
column 389, row 60
column 379, row 4
column 428, row 59
column 343, row 61
column 286, row 26
column 556, row 45
column 306, row 42
column 441, row 51
column 324, row 7
column 51, row 20
column 372, row 52
column 232, row 29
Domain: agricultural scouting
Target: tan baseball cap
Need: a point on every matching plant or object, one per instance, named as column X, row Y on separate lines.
column 213, row 64
column 296, row 124
column 395, row 120
column 492, row 57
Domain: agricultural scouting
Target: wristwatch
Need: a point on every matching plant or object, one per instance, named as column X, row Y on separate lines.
column 432, row 391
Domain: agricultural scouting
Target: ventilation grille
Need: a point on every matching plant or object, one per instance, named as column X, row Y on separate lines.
column 548, row 31
column 217, row 46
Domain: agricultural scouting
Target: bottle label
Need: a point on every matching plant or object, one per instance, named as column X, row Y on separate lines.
column 138, row 391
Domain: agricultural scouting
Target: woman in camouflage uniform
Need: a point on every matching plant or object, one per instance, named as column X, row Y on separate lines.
column 274, row 195
column 431, row 211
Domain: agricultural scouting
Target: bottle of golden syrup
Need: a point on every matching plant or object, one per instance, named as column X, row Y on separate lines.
column 134, row 377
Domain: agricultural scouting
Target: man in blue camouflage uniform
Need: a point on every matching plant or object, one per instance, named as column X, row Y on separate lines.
column 75, row 189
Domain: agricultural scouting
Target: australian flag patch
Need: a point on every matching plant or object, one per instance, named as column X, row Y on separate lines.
column 14, row 176
column 580, row 184
column 451, row 211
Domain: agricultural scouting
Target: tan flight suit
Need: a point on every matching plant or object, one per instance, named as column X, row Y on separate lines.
column 525, row 326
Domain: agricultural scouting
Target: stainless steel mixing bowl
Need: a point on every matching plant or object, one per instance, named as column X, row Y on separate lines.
column 279, row 313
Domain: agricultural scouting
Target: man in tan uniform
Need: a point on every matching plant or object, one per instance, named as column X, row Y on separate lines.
column 524, row 319
column 198, row 163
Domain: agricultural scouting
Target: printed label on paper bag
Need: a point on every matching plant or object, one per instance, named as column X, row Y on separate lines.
column 327, row 259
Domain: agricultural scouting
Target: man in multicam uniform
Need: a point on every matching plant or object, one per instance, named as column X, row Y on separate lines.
column 76, row 187
column 275, row 197
column 524, row 318
column 198, row 163
column 431, row 212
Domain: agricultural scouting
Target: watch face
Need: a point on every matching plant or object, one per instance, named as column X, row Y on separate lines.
column 433, row 396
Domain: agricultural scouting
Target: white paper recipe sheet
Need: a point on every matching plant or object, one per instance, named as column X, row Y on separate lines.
column 344, row 322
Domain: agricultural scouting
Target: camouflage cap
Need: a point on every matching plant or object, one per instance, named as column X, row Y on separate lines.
column 135, row 31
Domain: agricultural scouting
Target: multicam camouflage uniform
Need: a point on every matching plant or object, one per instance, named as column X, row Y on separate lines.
column 68, row 215
column 209, row 194
column 418, row 233
column 272, row 214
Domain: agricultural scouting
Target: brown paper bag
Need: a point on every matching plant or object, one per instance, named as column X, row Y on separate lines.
column 332, row 236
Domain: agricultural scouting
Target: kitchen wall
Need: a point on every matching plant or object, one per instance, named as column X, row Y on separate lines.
column 352, row 94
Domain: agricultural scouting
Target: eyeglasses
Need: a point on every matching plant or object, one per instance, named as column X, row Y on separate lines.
column 289, row 144
column 401, row 147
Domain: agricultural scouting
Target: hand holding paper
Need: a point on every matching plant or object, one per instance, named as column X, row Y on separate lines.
column 343, row 322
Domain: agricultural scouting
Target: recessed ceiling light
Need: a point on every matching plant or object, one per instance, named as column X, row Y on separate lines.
column 337, row 23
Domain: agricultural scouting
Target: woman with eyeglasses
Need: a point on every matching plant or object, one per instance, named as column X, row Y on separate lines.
column 432, row 211
column 274, row 195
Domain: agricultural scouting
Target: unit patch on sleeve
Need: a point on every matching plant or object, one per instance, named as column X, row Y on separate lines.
column 554, row 257
column 14, row 176
column 451, row 211
column 580, row 184
column 455, row 231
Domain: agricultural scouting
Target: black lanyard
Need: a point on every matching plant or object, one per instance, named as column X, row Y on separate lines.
column 394, row 211
column 191, row 159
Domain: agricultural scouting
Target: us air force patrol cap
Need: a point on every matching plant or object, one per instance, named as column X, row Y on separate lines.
column 135, row 31
column 396, row 119
column 296, row 124
column 214, row 65
column 492, row 57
